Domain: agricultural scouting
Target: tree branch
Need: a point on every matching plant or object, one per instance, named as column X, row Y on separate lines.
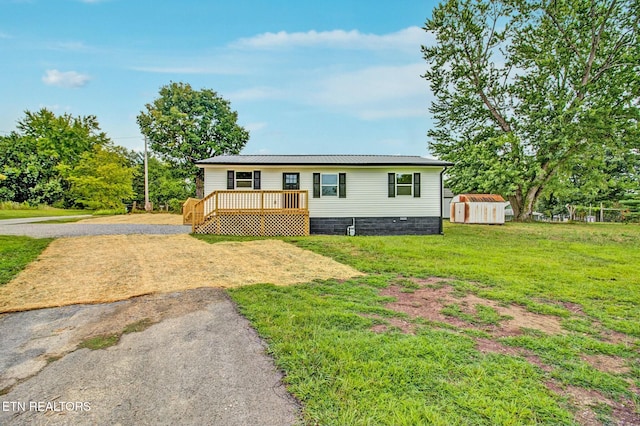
column 504, row 125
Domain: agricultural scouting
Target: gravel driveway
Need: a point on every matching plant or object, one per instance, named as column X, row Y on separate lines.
column 31, row 228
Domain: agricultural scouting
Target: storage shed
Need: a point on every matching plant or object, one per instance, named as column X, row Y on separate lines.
column 478, row 208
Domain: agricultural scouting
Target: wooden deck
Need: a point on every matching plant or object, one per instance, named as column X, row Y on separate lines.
column 263, row 213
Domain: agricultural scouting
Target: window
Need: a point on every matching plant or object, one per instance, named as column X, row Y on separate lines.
column 243, row 180
column 404, row 184
column 329, row 185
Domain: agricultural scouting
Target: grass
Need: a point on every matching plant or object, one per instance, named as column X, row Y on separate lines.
column 18, row 252
column 344, row 373
column 106, row 340
column 537, row 265
column 20, row 213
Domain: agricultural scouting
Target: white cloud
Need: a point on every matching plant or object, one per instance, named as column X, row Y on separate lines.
column 69, row 79
column 194, row 69
column 377, row 92
column 254, row 127
column 254, row 94
column 406, row 38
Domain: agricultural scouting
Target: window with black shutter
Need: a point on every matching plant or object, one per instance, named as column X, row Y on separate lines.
column 392, row 184
column 342, row 185
column 316, row 185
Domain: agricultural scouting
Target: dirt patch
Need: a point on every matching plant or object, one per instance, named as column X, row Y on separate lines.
column 428, row 303
column 607, row 363
column 109, row 268
column 392, row 322
column 154, row 308
column 435, row 295
column 137, row 219
column 589, row 401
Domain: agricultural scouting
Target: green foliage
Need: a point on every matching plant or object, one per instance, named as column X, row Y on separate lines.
column 185, row 125
column 102, row 179
column 536, row 97
column 167, row 185
column 16, row 253
column 32, row 156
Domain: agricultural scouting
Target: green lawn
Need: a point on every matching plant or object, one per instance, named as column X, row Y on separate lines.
column 18, row 252
column 345, row 372
column 24, row 213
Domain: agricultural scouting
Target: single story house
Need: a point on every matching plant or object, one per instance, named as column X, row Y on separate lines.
column 320, row 194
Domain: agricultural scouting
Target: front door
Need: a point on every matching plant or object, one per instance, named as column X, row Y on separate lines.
column 291, row 182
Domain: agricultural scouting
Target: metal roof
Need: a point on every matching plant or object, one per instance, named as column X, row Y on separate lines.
column 303, row 160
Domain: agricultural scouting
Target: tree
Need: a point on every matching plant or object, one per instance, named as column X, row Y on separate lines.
column 528, row 90
column 166, row 186
column 30, row 157
column 185, row 125
column 102, row 179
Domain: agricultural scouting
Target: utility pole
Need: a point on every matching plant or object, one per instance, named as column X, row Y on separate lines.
column 147, row 205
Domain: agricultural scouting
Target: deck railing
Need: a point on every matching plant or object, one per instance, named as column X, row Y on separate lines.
column 277, row 205
column 187, row 210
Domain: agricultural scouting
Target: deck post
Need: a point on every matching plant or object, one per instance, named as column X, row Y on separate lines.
column 262, row 213
column 193, row 218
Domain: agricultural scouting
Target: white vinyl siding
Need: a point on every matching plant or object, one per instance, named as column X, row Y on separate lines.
column 366, row 187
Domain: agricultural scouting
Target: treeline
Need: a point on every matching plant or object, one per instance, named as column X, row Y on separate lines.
column 67, row 161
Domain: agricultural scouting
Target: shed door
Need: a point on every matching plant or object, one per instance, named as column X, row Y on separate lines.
column 460, row 213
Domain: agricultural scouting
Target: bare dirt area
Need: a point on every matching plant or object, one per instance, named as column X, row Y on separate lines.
column 435, row 295
column 137, row 219
column 429, row 302
column 101, row 269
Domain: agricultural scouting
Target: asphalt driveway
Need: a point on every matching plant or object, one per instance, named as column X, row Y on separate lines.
column 199, row 363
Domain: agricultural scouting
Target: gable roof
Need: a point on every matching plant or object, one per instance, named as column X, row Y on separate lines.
column 310, row 160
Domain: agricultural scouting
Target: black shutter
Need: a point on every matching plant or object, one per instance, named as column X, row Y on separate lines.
column 316, row 185
column 342, row 185
column 256, row 179
column 392, row 184
column 231, row 179
column 416, row 185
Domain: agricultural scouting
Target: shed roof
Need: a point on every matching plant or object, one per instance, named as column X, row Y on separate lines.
column 480, row 198
column 303, row 160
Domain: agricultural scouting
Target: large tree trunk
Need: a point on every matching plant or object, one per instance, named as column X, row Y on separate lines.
column 523, row 205
column 200, row 184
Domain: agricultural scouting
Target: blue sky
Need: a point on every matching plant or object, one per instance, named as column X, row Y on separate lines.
column 321, row 77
